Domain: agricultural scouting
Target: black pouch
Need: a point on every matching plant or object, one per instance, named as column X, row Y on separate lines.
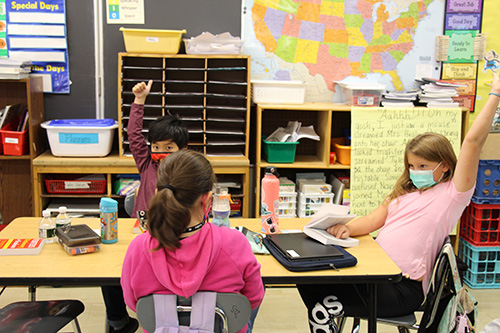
column 311, row 265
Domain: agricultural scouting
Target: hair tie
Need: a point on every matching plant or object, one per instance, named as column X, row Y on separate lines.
column 170, row 187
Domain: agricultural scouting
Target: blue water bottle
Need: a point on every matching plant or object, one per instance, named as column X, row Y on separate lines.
column 109, row 220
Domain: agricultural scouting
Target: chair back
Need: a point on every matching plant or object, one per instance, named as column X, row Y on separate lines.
column 230, row 312
column 41, row 316
column 441, row 288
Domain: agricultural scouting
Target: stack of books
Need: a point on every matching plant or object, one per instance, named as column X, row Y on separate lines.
column 437, row 94
column 399, row 99
column 14, row 69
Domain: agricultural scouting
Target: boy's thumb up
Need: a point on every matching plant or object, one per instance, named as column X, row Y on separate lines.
column 150, row 84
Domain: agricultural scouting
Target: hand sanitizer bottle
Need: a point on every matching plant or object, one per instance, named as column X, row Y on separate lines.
column 63, row 221
column 47, row 228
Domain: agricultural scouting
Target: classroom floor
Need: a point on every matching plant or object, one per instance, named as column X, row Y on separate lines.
column 281, row 311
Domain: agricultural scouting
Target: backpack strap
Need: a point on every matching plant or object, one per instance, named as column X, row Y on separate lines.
column 166, row 313
column 203, row 311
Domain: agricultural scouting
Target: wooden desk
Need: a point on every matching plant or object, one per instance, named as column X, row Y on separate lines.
column 55, row 267
column 111, row 165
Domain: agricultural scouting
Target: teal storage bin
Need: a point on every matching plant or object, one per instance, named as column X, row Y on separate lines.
column 279, row 152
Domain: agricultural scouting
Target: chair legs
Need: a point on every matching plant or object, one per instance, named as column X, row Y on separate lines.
column 76, row 325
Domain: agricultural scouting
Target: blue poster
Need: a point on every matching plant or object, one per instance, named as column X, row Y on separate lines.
column 36, row 32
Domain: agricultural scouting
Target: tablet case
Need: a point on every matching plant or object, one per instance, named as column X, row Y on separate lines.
column 80, row 234
column 313, row 265
column 297, row 246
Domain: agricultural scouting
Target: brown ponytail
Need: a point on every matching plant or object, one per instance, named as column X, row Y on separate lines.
column 182, row 178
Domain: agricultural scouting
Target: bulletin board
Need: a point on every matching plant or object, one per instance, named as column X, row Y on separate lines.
column 378, row 140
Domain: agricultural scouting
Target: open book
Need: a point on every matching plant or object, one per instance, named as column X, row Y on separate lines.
column 327, row 216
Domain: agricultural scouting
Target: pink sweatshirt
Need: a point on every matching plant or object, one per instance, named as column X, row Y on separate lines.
column 213, row 259
column 417, row 225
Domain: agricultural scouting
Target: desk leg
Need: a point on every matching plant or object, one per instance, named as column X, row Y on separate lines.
column 32, row 293
column 372, row 307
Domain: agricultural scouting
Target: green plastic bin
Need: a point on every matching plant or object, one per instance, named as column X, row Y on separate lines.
column 279, row 152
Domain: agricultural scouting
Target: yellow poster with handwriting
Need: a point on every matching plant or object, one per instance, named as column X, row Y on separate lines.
column 378, row 140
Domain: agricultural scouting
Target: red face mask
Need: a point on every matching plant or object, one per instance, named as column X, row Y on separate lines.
column 158, row 157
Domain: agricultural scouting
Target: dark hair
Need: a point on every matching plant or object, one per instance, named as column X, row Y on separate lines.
column 169, row 127
column 169, row 213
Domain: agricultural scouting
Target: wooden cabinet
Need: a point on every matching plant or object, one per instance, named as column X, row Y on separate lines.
column 310, row 155
column 16, row 171
column 110, row 166
column 329, row 121
column 211, row 94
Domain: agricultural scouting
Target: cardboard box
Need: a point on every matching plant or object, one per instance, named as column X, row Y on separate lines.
column 491, row 148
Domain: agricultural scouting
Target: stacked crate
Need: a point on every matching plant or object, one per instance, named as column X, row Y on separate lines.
column 479, row 245
column 287, row 199
column 313, row 193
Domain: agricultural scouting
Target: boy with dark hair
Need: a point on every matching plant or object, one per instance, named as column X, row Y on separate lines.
column 166, row 135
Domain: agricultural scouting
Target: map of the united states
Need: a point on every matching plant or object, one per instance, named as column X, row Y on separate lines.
column 337, row 38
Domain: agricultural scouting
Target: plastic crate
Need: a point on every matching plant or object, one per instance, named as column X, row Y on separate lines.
column 286, row 92
column 342, row 151
column 152, row 40
column 479, row 224
column 315, row 198
column 69, row 184
column 279, row 152
column 483, row 263
column 488, row 182
column 13, row 142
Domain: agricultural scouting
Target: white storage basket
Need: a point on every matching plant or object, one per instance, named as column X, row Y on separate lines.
column 285, row 92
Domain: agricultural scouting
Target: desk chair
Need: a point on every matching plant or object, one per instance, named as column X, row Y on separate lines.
column 441, row 289
column 41, row 316
column 221, row 312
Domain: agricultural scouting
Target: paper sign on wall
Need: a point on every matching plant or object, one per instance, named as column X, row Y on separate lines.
column 378, row 140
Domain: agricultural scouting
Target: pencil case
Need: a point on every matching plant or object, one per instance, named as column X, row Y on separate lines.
column 81, row 249
column 313, row 265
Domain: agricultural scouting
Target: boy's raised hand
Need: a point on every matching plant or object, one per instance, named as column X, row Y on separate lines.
column 141, row 91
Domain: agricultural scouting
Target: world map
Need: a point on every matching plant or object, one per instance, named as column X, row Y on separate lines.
column 321, row 42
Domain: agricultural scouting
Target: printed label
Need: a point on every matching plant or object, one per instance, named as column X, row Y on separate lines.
column 79, row 138
column 76, row 185
column 464, row 6
column 463, row 21
column 11, row 140
column 152, row 39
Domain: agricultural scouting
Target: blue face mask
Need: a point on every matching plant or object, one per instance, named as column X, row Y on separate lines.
column 423, row 178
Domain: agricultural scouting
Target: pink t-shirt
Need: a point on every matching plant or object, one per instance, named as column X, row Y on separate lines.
column 417, row 225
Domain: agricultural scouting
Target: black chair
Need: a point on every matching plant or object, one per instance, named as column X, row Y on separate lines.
column 40, row 316
column 441, row 289
column 232, row 311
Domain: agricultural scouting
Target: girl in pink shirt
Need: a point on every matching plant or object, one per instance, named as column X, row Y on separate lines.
column 182, row 253
column 414, row 220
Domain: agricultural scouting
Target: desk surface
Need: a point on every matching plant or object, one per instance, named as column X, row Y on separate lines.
column 54, row 266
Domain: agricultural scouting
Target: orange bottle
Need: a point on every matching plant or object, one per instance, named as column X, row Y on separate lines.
column 270, row 201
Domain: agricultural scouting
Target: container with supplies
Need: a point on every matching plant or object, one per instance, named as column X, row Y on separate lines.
column 79, row 239
column 360, row 93
column 342, row 149
column 80, row 137
column 152, row 40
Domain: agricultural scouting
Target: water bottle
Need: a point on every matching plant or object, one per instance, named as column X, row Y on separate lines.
column 63, row 221
column 109, row 220
column 270, row 196
column 221, row 208
column 47, row 228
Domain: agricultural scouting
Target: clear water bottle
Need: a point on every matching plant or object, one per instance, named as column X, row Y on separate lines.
column 221, row 209
column 47, row 228
column 63, row 221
